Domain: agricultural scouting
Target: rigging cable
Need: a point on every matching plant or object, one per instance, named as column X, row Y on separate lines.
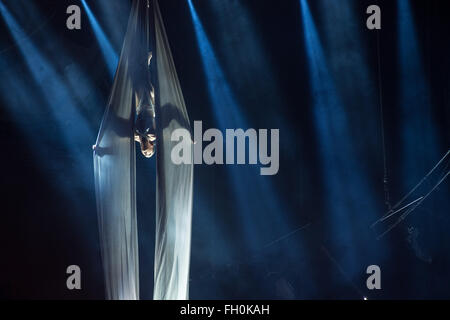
column 411, row 206
column 403, row 216
column 383, row 138
column 399, row 203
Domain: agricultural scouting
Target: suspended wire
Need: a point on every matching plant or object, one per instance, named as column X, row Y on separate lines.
column 383, row 139
column 341, row 270
column 422, row 181
column 447, row 165
column 30, row 34
column 287, row 235
column 401, row 209
column 408, row 212
column 391, row 212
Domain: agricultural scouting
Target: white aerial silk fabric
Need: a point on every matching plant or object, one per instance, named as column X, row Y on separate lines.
column 174, row 183
column 114, row 167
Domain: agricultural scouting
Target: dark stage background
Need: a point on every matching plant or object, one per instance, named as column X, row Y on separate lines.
column 301, row 234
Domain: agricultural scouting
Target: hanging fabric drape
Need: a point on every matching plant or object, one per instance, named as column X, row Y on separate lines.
column 174, row 183
column 114, row 166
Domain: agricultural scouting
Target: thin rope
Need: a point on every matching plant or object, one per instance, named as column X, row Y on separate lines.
column 399, row 203
column 407, row 213
column 422, row 181
column 401, row 209
column 31, row 34
column 383, row 139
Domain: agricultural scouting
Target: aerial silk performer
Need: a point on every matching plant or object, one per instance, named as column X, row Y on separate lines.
column 145, row 105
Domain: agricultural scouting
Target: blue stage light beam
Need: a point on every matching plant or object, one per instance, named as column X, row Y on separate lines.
column 420, row 141
column 115, row 21
column 348, row 198
column 218, row 89
column 45, row 97
column 248, row 60
column 51, row 84
column 245, row 57
column 73, row 130
column 226, row 109
column 224, row 104
column 110, row 55
column 347, row 60
column 227, row 114
column 347, row 57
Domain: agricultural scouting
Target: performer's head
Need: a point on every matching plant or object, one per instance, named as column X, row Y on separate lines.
column 147, row 146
